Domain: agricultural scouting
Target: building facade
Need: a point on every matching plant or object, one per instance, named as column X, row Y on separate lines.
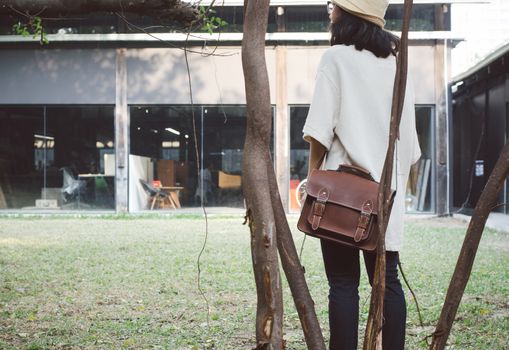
column 480, row 129
column 103, row 116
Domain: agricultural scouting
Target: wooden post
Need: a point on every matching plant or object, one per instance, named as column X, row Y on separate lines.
column 282, row 132
column 121, row 134
column 442, row 143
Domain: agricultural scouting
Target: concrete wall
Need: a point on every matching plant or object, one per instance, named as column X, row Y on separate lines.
column 303, row 62
column 77, row 76
column 159, row 75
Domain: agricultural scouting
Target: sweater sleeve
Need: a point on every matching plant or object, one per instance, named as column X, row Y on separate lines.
column 323, row 112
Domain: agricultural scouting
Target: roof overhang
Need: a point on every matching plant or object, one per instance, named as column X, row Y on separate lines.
column 492, row 57
column 320, row 2
column 226, row 38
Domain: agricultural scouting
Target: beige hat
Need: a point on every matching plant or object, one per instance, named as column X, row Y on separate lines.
column 370, row 10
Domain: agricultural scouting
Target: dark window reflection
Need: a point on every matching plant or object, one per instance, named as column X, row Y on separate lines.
column 309, row 18
column 164, row 155
column 299, row 151
column 425, row 17
column 305, row 19
column 420, row 190
column 162, row 142
column 57, row 158
column 22, row 144
column 224, row 133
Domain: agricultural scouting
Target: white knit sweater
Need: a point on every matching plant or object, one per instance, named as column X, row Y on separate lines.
column 350, row 116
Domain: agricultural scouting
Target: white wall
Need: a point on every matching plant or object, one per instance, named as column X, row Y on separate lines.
column 484, row 26
column 159, row 75
column 44, row 76
column 303, row 63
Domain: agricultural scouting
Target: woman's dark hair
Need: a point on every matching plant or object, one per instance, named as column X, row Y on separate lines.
column 353, row 30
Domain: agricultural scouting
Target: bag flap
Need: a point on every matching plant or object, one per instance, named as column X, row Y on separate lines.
column 344, row 189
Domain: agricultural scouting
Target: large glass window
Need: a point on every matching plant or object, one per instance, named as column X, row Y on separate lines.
column 314, row 18
column 164, row 156
column 299, row 152
column 56, row 158
column 308, row 18
column 420, row 196
column 420, row 191
column 425, row 17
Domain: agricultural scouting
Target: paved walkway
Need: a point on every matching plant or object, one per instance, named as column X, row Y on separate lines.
column 496, row 221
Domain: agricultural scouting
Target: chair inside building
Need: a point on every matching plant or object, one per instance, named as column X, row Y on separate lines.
column 72, row 188
column 229, row 186
column 157, row 198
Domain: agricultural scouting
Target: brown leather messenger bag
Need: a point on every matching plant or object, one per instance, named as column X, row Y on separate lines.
column 342, row 206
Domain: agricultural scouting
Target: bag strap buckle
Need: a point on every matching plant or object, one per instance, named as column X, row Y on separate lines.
column 364, row 218
column 319, row 207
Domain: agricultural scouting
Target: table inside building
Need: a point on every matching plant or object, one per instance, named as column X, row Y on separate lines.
column 173, row 194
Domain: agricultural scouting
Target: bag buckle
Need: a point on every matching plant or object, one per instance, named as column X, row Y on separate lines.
column 364, row 218
column 319, row 207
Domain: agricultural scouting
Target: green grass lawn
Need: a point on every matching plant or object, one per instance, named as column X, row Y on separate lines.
column 105, row 283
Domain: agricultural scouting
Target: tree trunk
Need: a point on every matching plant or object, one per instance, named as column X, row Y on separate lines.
column 294, row 271
column 373, row 334
column 468, row 251
column 256, row 161
column 168, row 9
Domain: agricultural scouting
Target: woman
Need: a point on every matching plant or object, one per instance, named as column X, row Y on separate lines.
column 348, row 120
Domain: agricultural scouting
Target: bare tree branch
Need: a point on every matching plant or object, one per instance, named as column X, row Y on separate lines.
column 256, row 160
column 294, row 271
column 466, row 258
column 373, row 334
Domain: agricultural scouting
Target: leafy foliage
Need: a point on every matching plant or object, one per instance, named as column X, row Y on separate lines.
column 210, row 22
column 34, row 27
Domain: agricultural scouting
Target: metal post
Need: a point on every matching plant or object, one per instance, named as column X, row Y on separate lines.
column 200, row 175
column 45, row 150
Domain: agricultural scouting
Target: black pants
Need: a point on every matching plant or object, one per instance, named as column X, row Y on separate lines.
column 343, row 272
